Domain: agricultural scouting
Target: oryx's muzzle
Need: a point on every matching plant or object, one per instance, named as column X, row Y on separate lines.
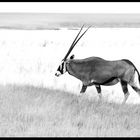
column 57, row 74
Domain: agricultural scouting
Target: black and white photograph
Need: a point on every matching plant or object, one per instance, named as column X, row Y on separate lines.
column 69, row 69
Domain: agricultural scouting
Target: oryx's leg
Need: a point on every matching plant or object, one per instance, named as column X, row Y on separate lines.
column 98, row 88
column 125, row 90
column 83, row 88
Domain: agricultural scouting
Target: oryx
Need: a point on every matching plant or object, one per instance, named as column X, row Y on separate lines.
column 97, row 71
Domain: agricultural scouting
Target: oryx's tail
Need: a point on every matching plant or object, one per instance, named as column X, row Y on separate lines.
column 129, row 62
column 138, row 74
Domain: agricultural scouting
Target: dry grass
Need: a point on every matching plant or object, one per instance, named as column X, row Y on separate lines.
column 37, row 111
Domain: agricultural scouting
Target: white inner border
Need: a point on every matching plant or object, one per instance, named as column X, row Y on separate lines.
column 71, row 7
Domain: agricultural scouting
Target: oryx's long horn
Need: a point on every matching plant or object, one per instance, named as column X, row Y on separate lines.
column 80, row 37
column 72, row 45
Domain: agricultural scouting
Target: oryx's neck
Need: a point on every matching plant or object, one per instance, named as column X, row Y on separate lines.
column 75, row 69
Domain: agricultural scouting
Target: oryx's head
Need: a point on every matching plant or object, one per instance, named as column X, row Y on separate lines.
column 62, row 67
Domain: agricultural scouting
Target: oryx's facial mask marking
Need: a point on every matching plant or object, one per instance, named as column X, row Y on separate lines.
column 61, row 69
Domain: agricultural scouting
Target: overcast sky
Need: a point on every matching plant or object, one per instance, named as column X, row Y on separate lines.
column 71, row 7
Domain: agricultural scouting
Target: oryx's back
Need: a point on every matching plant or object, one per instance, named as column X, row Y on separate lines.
column 93, row 64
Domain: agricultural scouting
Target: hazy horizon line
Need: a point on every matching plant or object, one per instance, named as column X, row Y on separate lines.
column 21, row 20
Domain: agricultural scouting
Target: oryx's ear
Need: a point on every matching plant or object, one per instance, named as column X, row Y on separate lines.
column 72, row 57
